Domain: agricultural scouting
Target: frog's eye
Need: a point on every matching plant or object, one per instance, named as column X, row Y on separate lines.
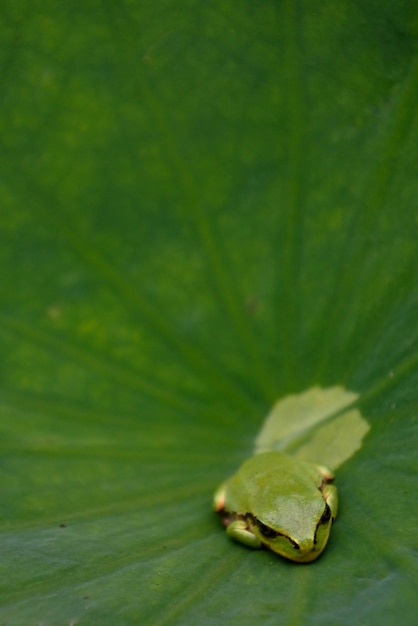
column 325, row 515
column 266, row 531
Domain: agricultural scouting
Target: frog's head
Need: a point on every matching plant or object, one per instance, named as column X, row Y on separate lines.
column 295, row 532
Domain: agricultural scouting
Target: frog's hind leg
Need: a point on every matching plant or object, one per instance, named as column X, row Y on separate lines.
column 330, row 495
column 219, row 498
column 326, row 473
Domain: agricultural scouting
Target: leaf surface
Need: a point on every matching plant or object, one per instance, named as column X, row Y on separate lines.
column 204, row 207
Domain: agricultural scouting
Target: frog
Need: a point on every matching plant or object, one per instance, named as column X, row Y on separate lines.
column 281, row 503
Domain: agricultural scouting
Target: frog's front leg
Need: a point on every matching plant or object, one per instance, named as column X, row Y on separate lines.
column 239, row 531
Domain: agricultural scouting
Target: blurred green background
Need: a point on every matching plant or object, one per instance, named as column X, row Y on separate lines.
column 204, row 206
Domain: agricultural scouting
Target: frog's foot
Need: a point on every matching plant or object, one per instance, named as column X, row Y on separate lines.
column 331, row 498
column 239, row 531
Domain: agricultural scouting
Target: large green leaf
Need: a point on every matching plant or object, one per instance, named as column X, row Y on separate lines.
column 205, row 206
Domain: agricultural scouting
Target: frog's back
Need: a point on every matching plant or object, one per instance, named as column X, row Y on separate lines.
column 265, row 479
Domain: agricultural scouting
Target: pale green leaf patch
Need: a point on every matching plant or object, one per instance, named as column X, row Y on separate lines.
column 318, row 425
